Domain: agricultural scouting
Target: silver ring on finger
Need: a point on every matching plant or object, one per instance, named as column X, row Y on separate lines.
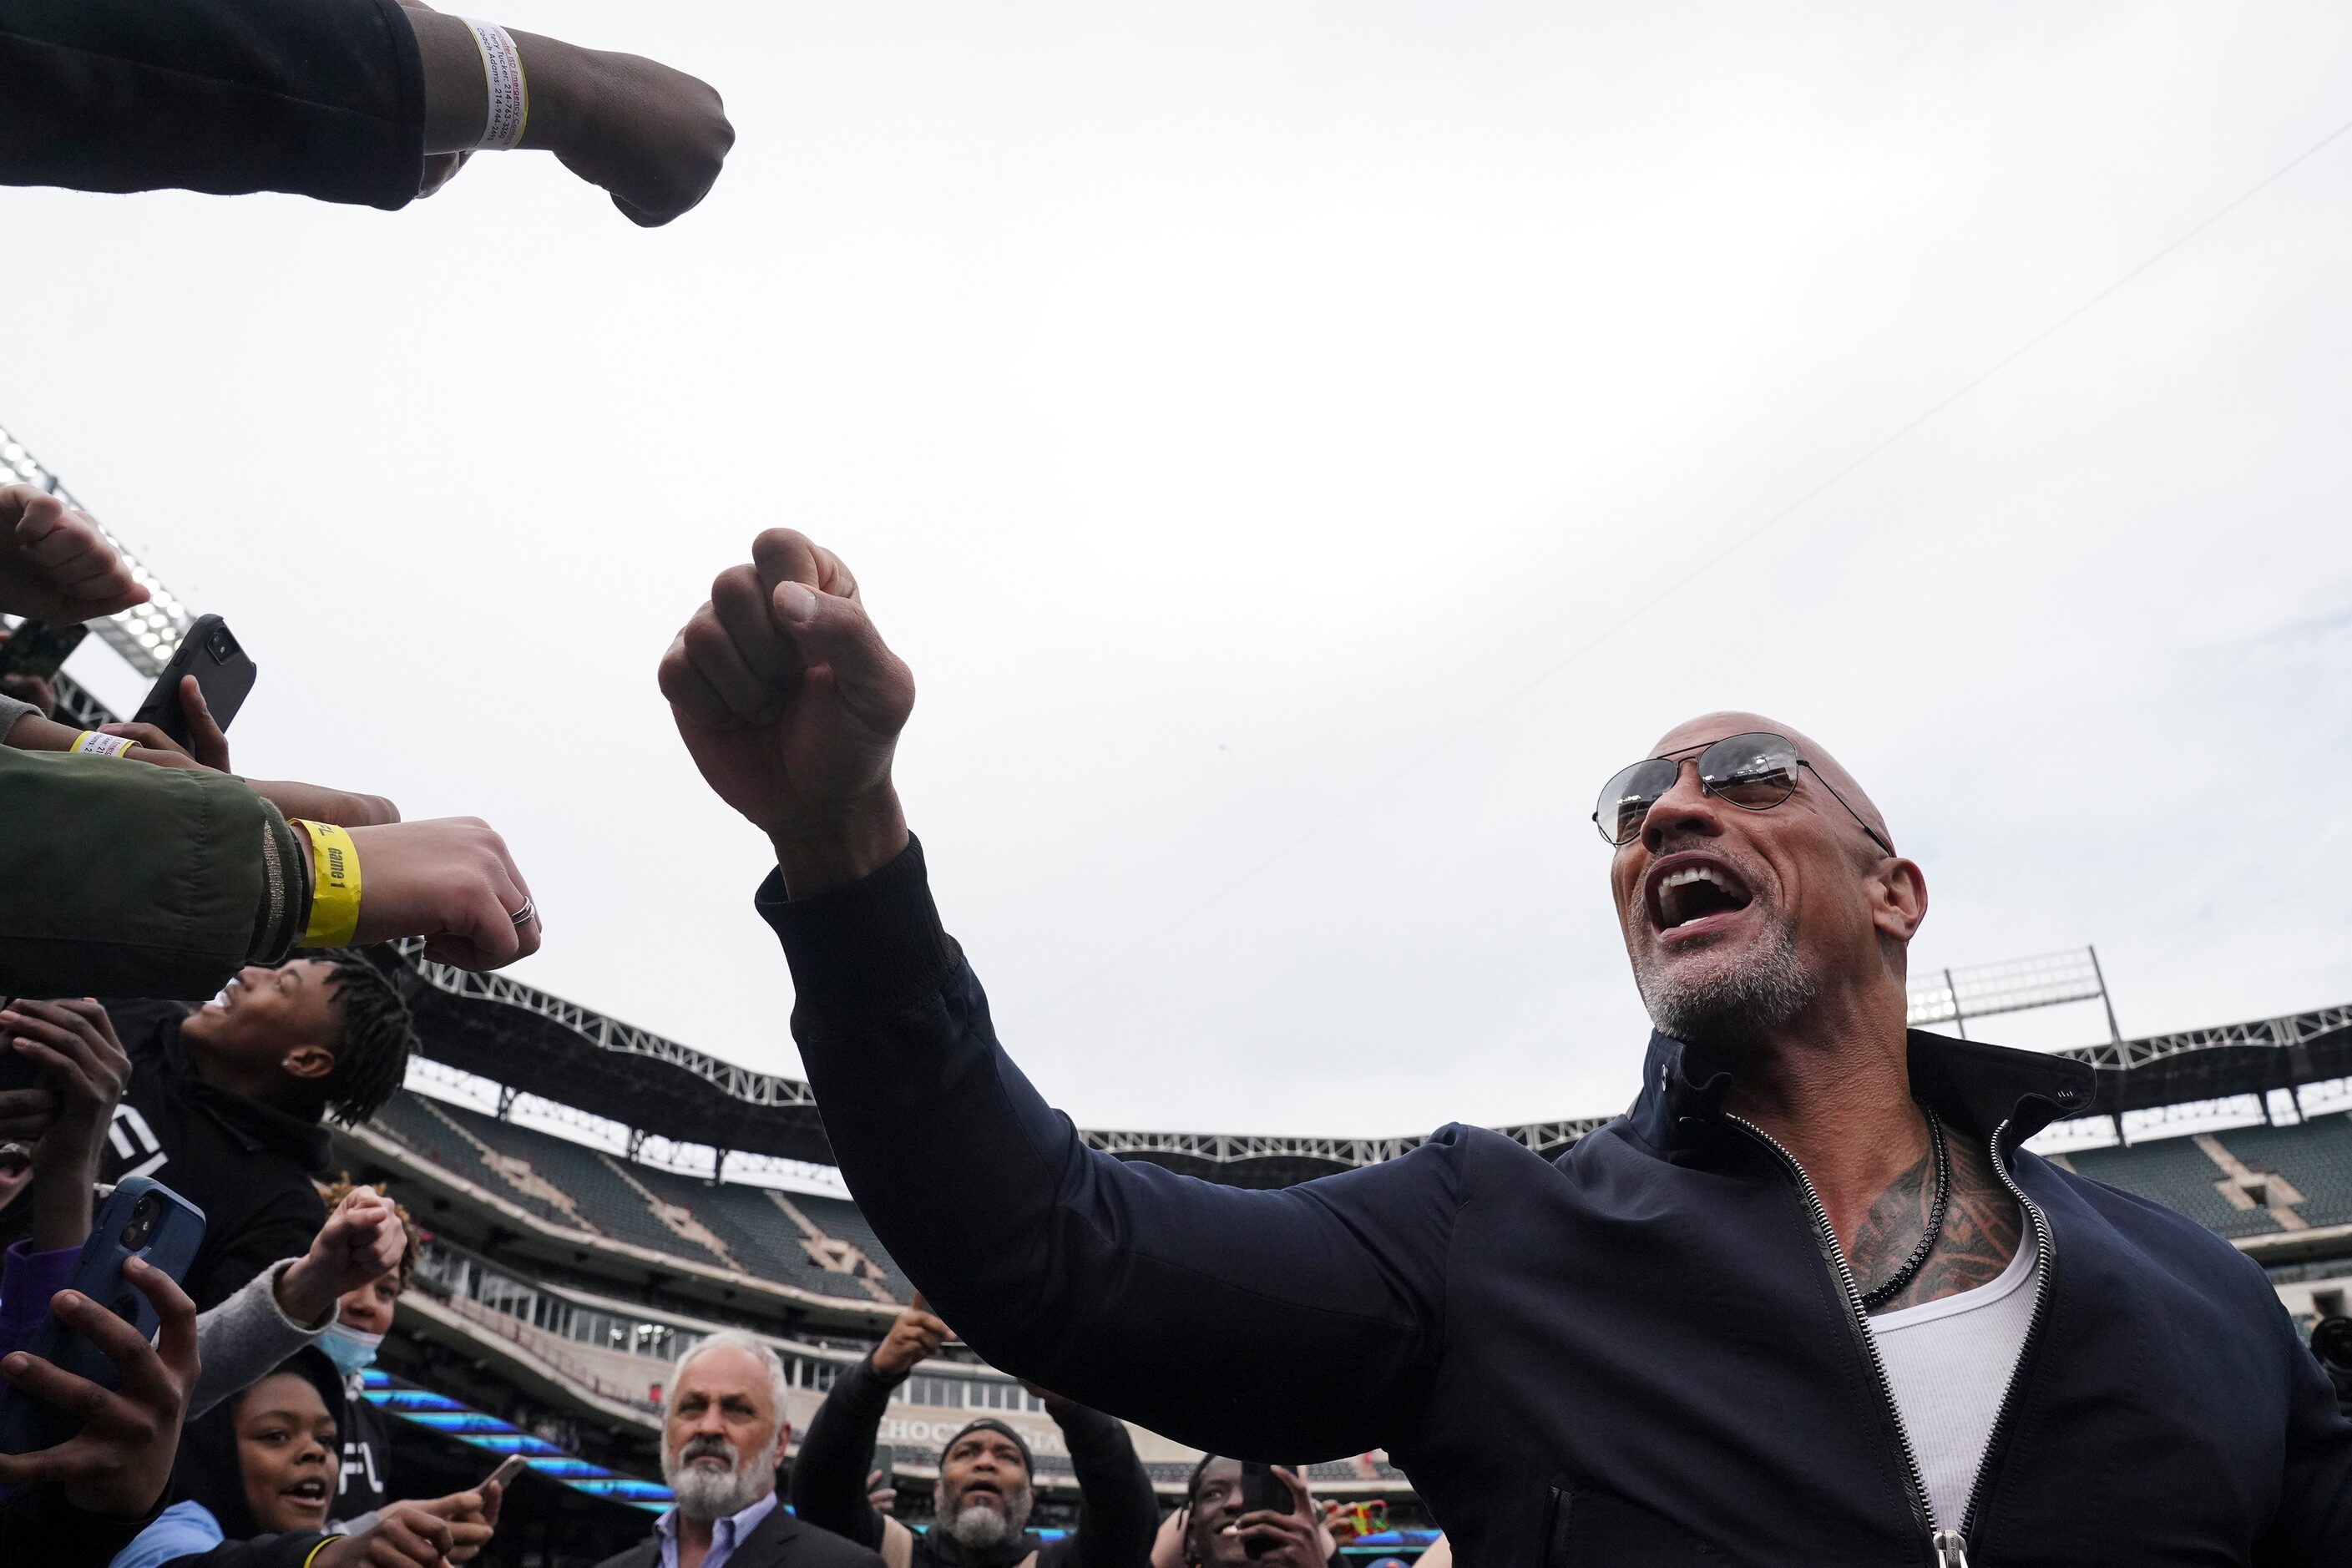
column 525, row 915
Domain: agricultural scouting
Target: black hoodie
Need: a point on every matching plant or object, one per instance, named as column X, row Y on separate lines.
column 1119, row 1515
column 210, row 1471
column 251, row 1169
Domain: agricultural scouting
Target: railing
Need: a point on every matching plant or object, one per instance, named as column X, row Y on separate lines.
column 2277, row 1034
column 544, row 1347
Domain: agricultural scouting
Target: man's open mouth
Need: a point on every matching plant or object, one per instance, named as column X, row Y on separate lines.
column 1685, row 889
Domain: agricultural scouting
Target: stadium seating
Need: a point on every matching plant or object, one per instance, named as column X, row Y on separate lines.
column 444, row 1135
column 2179, row 1175
column 730, row 1226
column 823, row 1245
column 839, row 1216
column 412, row 1120
column 757, row 1234
column 589, row 1178
column 2315, row 1158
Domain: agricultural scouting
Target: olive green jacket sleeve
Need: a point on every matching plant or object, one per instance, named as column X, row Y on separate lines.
column 120, row 878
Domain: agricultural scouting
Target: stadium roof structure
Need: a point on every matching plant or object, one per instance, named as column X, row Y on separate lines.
column 530, row 1042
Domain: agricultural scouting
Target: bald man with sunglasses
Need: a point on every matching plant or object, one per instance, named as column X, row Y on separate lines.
column 1809, row 1301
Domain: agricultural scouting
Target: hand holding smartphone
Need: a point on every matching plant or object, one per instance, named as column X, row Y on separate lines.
column 224, row 673
column 1264, row 1491
column 142, row 1219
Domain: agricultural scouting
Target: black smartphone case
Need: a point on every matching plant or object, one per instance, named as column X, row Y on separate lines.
column 1264, row 1491
column 27, row 1422
column 224, row 682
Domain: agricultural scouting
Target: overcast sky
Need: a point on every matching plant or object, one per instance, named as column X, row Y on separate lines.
column 1282, row 437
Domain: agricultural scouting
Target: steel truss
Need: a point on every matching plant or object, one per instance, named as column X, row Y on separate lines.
column 2284, row 1033
column 761, row 1089
column 2276, row 1034
column 1233, row 1149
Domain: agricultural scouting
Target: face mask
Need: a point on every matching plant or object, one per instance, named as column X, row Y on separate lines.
column 351, row 1350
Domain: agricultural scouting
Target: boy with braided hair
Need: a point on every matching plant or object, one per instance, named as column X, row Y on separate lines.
column 226, row 1103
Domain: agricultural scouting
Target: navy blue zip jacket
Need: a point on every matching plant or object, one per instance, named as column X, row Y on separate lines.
column 1642, row 1352
column 320, row 98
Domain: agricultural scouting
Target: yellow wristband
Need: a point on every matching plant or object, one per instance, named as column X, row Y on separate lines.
column 312, row 1555
column 90, row 743
column 334, row 885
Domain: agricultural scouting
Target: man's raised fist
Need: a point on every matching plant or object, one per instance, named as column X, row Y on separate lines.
column 790, row 704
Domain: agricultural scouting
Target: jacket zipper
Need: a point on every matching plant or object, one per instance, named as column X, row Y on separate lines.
column 1947, row 1548
column 2045, row 1268
column 1943, row 1544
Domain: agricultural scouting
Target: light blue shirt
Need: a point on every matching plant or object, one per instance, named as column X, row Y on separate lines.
column 726, row 1535
column 180, row 1531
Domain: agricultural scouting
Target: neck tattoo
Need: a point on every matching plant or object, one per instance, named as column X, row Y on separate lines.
column 1887, row 1288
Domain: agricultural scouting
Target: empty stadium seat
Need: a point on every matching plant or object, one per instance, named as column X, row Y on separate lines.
column 2314, row 1157
column 757, row 1234
column 2176, row 1174
column 412, row 1120
column 730, row 1225
column 839, row 1217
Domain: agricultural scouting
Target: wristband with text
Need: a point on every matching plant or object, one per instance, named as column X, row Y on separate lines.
column 334, row 885
column 510, row 105
column 90, row 743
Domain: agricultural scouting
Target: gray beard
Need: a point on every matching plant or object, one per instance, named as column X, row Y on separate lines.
column 981, row 1527
column 1732, row 1009
column 706, row 1494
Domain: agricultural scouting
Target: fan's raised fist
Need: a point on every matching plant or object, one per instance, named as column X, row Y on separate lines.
column 790, row 704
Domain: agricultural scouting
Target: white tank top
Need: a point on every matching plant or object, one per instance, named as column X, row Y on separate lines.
column 1949, row 1363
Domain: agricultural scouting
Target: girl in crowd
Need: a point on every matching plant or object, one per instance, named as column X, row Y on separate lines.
column 256, row 1476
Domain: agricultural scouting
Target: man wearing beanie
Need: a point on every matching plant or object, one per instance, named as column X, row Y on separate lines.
column 985, row 1492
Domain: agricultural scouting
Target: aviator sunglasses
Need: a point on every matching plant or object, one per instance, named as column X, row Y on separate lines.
column 1754, row 771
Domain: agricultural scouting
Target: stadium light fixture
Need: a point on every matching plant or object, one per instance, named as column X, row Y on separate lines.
column 2013, row 985
column 147, row 634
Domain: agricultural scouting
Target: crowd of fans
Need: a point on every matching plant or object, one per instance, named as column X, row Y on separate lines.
column 264, row 1341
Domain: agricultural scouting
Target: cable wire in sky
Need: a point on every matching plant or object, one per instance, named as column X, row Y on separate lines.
column 1544, row 676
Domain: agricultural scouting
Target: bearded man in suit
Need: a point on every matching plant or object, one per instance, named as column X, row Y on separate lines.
column 722, row 1431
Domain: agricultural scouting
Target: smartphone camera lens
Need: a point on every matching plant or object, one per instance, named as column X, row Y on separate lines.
column 221, row 645
column 143, row 1222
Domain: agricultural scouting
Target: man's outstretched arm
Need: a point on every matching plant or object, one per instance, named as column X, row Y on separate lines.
column 1171, row 1301
column 341, row 100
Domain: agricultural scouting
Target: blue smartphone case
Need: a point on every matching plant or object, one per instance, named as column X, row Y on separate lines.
column 143, row 1218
